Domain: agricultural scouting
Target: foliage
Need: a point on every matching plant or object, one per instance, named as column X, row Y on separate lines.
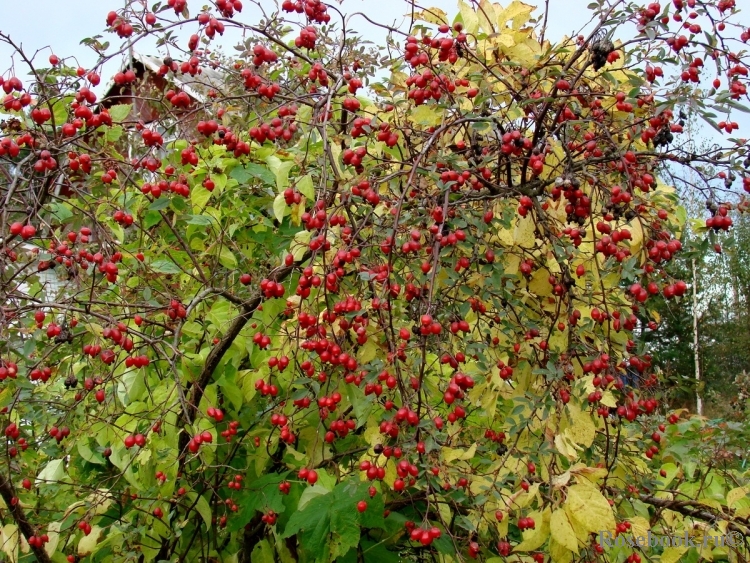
column 305, row 321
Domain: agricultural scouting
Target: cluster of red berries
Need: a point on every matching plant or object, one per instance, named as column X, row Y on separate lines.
column 40, row 374
column 176, row 310
column 720, row 221
column 262, row 54
column 26, row 231
column 364, row 189
column 353, row 157
column 276, row 129
column 179, row 6
column 306, row 38
column 425, row 536
column 457, row 386
column 8, row 369
column 309, row 475
column 235, row 483
column 526, row 523
column 271, row 289
column 318, row 74
column 204, row 437
column 262, row 340
column 231, row 430
column 59, row 433
column 265, row 388
column 119, row 25
column 178, row 99
column 315, row 10
column 228, row 7
column 256, row 83
column 122, row 218
column 339, row 429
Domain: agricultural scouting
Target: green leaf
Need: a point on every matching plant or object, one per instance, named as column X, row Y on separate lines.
column 159, row 204
column 203, row 220
column 201, row 506
column 52, row 472
column 259, row 495
column 86, row 453
column 151, row 218
column 332, row 519
column 120, row 112
column 199, row 197
column 279, row 207
column 60, row 212
column 60, row 110
column 262, row 553
column 113, row 134
column 163, row 266
column 227, row 258
column 252, row 170
column 305, row 187
column 280, row 169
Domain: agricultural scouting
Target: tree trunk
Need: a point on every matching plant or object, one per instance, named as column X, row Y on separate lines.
column 696, row 348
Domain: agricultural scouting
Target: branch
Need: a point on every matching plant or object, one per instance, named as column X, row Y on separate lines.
column 218, row 351
column 9, row 495
column 699, row 511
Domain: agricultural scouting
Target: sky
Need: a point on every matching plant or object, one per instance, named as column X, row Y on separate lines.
column 58, row 26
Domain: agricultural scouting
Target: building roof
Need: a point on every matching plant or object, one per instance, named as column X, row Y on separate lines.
column 197, row 87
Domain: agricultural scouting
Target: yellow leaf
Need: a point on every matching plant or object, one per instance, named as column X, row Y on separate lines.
column 533, row 539
column 586, row 505
column 636, row 232
column 502, row 40
column 426, row 115
column 444, row 508
column 608, row 399
column 279, row 207
column 452, row 454
column 517, row 12
column 524, row 235
column 559, row 481
column 565, row 447
column 53, row 531
column 539, row 283
column 581, row 429
column 559, row 553
column 511, row 262
column 562, row 532
column 524, row 499
column 432, row 15
column 487, row 16
column 672, row 554
column 390, row 472
column 736, row 494
column 372, row 435
column 469, row 17
column 300, row 244
column 639, row 526
column 558, row 342
column 88, row 543
column 10, row 540
column 593, row 474
column 367, row 352
column 502, row 527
